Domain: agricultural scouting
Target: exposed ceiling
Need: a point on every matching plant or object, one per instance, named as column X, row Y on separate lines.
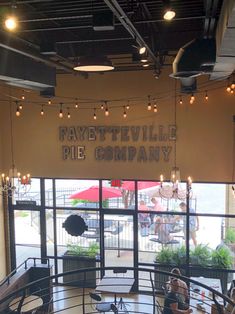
column 68, row 25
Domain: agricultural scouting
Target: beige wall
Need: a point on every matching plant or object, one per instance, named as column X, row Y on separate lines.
column 205, row 130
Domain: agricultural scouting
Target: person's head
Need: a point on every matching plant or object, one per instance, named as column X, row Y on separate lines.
column 153, row 200
column 174, row 284
column 176, row 271
column 142, row 202
column 183, row 206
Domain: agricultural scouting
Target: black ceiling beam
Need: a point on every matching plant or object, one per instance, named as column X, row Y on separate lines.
column 14, row 44
column 129, row 26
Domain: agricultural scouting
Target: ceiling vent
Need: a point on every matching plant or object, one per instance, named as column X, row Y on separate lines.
column 195, row 58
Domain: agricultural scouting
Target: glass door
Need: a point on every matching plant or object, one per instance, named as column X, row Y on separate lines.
column 27, row 234
column 118, row 240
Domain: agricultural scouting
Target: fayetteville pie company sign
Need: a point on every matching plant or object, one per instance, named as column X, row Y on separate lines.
column 156, row 142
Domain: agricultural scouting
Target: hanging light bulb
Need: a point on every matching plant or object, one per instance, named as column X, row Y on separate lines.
column 155, row 108
column 42, row 111
column 233, row 85
column 181, row 101
column 20, row 106
column 149, row 104
column 23, row 96
column 228, row 89
column 68, row 113
column 124, row 112
column 128, row 105
column 49, row 102
column 17, row 109
column 76, row 103
column 206, row 96
column 102, row 106
column 94, row 115
column 232, row 91
column 61, row 111
column 145, row 65
column 106, row 109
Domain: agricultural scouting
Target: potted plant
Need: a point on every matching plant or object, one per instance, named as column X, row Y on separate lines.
column 230, row 238
column 203, row 261
column 78, row 257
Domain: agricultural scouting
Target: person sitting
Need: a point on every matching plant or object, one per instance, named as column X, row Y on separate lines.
column 157, row 206
column 183, row 293
column 172, row 303
column 144, row 219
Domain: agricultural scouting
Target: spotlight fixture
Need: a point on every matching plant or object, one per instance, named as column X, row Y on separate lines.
column 142, row 50
column 169, row 13
column 11, row 23
column 94, row 64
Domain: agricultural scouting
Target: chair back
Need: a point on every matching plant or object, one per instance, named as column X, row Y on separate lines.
column 95, row 296
column 114, row 308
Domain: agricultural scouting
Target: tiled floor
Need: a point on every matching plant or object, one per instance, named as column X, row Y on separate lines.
column 71, row 300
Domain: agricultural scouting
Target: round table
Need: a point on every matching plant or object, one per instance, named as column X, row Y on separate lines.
column 30, row 303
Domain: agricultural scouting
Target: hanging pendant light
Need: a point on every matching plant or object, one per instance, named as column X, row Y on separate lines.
column 94, row 64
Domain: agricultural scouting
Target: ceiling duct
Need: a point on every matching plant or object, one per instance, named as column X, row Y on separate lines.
column 225, row 42
column 195, row 58
column 21, row 71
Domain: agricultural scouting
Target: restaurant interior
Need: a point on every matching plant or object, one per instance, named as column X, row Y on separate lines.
column 117, row 156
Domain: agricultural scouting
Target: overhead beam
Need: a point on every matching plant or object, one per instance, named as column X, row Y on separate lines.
column 129, row 26
column 14, row 44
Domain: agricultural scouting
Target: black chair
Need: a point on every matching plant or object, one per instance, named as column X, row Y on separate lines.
column 102, row 306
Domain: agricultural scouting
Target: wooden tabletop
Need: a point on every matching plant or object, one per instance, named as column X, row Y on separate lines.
column 31, row 302
column 115, row 285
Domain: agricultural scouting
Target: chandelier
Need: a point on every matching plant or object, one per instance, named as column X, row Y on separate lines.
column 13, row 182
column 174, row 189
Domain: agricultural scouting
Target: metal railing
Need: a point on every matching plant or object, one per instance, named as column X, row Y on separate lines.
column 147, row 299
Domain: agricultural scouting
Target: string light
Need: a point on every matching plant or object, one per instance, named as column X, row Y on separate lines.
column 76, row 103
column 23, row 96
column 228, row 89
column 17, row 111
column 106, row 109
column 49, row 102
column 61, row 111
column 124, row 112
column 232, row 91
column 192, row 98
column 181, row 101
column 206, row 96
column 42, row 111
column 149, row 104
column 102, row 106
column 128, row 105
column 155, row 108
column 94, row 116
column 233, row 85
column 20, row 106
column 68, row 114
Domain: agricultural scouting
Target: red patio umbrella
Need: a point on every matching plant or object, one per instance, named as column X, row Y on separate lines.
column 92, row 194
column 141, row 185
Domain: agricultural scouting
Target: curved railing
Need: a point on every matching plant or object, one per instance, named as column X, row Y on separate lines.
column 44, row 296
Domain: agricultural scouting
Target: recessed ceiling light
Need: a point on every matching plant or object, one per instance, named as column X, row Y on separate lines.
column 94, row 64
